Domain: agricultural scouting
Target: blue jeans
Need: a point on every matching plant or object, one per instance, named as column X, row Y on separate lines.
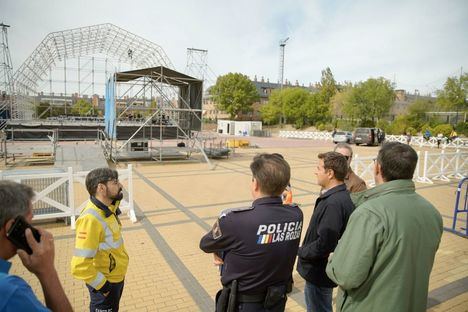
column 318, row 299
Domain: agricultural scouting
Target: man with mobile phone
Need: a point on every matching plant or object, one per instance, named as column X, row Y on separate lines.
column 100, row 258
column 16, row 294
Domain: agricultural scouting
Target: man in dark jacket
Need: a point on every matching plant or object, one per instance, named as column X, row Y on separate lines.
column 328, row 222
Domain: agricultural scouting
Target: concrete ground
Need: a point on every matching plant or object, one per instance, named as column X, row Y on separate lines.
column 177, row 203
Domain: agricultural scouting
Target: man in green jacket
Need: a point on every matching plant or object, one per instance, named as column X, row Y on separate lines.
column 385, row 256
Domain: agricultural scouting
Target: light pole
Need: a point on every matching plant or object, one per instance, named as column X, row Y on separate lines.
column 282, row 45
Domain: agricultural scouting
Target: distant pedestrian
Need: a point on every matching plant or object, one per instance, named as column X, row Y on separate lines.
column 440, row 137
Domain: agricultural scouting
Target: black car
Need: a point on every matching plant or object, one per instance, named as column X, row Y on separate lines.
column 368, row 136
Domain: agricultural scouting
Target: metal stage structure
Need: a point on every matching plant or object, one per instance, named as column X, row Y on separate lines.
column 78, row 61
column 174, row 114
column 6, row 77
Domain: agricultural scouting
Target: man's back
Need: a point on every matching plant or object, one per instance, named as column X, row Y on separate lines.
column 260, row 244
column 389, row 245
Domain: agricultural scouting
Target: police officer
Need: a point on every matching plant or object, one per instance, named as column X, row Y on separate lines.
column 258, row 244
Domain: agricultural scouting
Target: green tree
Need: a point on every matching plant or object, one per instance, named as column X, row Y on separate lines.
column 417, row 112
column 316, row 110
column 328, row 87
column 270, row 113
column 454, row 94
column 234, row 93
column 299, row 106
column 81, row 108
column 370, row 100
column 338, row 101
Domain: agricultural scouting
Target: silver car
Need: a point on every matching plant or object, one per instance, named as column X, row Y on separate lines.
column 342, row 137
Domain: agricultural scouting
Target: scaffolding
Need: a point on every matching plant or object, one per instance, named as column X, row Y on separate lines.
column 173, row 112
column 6, row 78
column 75, row 61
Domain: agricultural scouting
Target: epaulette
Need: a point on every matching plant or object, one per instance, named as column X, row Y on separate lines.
column 228, row 211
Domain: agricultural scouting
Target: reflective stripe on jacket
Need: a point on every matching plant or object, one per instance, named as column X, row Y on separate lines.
column 100, row 253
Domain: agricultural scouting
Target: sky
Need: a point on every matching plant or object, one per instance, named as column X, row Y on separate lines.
column 415, row 43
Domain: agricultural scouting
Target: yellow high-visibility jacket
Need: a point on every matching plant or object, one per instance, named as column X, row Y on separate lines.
column 100, row 253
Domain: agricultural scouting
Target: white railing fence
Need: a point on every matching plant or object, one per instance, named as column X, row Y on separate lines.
column 55, row 192
column 327, row 136
column 418, row 141
column 431, row 167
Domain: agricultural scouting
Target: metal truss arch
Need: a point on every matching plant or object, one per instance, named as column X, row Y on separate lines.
column 102, row 39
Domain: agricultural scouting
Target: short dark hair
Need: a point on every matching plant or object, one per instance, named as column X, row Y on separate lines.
column 336, row 162
column 99, row 175
column 272, row 173
column 397, row 161
column 15, row 200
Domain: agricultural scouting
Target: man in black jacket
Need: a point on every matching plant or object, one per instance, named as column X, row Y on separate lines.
column 328, row 222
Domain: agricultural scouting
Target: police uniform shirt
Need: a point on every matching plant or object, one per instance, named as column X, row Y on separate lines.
column 259, row 243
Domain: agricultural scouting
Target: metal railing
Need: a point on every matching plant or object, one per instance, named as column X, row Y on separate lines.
column 461, row 207
column 55, row 192
column 432, row 166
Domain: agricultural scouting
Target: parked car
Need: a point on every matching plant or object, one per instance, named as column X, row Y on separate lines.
column 368, row 136
column 342, row 137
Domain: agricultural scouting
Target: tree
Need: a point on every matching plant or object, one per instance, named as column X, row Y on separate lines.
column 337, row 102
column 327, row 85
column 300, row 107
column 370, row 100
column 316, row 109
column 234, row 93
column 417, row 112
column 81, row 107
column 454, row 94
column 270, row 113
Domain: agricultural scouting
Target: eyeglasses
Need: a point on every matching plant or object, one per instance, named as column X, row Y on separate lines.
column 347, row 157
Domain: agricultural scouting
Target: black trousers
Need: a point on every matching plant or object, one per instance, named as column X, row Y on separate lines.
column 109, row 303
column 258, row 307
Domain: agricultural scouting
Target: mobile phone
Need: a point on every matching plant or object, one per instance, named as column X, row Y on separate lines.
column 16, row 234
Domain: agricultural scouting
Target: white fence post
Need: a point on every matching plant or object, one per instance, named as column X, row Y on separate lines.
column 424, row 178
column 131, row 206
column 71, row 197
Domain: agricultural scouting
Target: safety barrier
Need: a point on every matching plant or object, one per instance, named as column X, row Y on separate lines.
column 55, row 192
column 443, row 166
column 364, row 168
column 327, row 136
column 432, row 142
column 461, row 189
column 418, row 141
column 430, row 167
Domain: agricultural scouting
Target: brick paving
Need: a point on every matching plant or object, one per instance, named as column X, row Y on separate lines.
column 178, row 202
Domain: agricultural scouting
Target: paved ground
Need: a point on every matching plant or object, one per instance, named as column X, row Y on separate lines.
column 178, row 202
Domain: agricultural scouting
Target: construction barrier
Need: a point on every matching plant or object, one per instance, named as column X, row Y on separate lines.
column 55, row 192
column 431, row 167
column 418, row 141
column 326, row 136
